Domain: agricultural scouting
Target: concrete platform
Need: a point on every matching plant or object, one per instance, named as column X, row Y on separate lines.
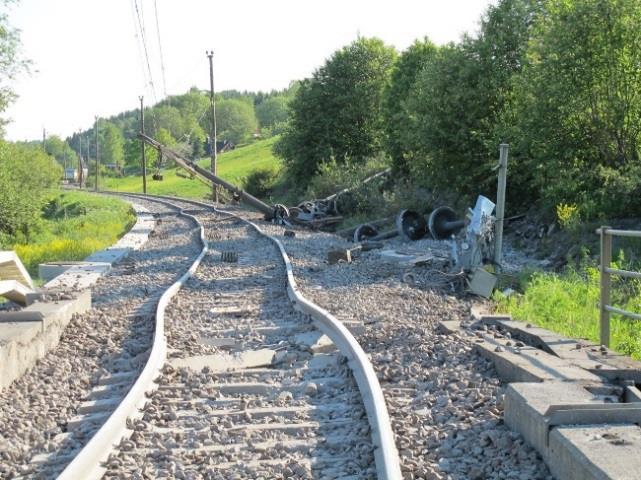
column 27, row 335
column 528, row 364
column 527, row 405
column 49, row 271
column 581, row 353
column 596, row 452
column 572, row 400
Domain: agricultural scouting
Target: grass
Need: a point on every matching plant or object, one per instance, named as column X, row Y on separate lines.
column 73, row 226
column 233, row 166
column 567, row 303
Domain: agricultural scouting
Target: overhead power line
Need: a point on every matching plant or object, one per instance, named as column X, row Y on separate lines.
column 162, row 61
column 144, row 44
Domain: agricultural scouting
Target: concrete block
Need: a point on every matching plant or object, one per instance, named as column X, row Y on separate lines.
column 528, row 364
column 482, row 283
column 12, row 268
column 598, row 360
column 14, row 291
column 527, row 405
column 24, row 342
column 632, row 395
column 49, row 271
column 595, row 452
column 406, row 259
column 224, row 362
column 315, row 342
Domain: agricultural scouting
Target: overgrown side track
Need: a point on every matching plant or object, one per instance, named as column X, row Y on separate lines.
column 251, row 387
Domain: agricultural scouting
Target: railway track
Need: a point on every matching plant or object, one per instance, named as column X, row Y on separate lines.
column 245, row 379
column 44, row 415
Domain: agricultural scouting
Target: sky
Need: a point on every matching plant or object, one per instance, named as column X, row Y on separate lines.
column 88, row 58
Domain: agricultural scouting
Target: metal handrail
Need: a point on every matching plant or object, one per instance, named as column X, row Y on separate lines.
column 606, row 309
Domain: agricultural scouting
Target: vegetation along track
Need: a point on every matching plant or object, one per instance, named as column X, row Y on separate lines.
column 253, row 385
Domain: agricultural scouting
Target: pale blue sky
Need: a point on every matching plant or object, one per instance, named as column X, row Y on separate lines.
column 87, row 57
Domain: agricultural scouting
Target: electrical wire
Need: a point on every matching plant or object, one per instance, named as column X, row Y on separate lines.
column 162, row 61
column 139, row 46
column 144, row 43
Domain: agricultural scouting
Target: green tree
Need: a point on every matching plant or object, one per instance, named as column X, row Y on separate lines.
column 112, row 145
column 580, row 108
column 235, row 120
column 26, row 174
column 168, row 117
column 459, row 103
column 272, row 111
column 11, row 61
column 61, row 151
column 396, row 113
column 337, row 113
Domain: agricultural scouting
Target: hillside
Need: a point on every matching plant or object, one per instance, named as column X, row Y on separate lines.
column 233, row 166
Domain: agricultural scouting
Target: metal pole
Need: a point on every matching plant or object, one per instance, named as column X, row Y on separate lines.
column 80, row 167
column 44, row 137
column 500, row 204
column 212, row 137
column 142, row 146
column 606, row 260
column 97, row 153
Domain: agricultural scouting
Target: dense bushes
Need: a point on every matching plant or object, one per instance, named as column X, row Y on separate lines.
column 578, row 108
column 556, row 79
column 26, row 174
column 260, row 183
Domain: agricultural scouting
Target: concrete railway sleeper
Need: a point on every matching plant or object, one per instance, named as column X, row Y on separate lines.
column 241, row 382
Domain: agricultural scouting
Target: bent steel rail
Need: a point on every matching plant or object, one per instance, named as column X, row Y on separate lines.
column 386, row 454
column 86, row 464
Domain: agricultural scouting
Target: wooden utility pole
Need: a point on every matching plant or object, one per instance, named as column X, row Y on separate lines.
column 500, row 204
column 44, row 138
column 97, row 153
column 212, row 136
column 142, row 146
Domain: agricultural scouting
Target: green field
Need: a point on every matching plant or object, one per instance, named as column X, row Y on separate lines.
column 233, row 166
column 73, row 226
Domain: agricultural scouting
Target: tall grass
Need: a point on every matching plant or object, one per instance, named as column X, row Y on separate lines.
column 73, row 225
column 568, row 303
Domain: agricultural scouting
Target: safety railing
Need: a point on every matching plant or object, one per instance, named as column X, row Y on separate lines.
column 606, row 234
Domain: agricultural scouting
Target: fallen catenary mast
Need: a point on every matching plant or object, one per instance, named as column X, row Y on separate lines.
column 316, row 214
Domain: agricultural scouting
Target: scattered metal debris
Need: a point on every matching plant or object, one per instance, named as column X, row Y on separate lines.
column 368, row 245
column 411, row 224
column 340, row 255
column 364, row 231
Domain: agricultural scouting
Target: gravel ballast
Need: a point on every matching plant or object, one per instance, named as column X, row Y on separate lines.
column 445, row 401
column 114, row 336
